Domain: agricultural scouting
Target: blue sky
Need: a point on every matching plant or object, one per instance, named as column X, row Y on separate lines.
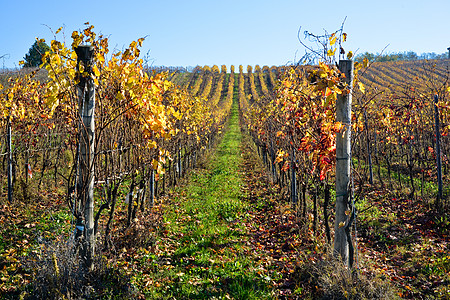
column 199, row 32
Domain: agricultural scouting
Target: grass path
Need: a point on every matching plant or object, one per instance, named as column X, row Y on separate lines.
column 204, row 249
column 227, row 234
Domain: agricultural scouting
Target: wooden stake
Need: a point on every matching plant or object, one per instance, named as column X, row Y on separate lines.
column 343, row 161
column 438, row 150
column 86, row 92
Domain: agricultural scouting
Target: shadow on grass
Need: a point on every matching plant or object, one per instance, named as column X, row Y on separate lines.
column 237, row 286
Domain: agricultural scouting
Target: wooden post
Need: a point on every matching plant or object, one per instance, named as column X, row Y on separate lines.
column 86, row 92
column 163, row 189
column 152, row 187
column 264, row 153
column 293, row 179
column 179, row 170
column 10, row 158
column 343, row 161
column 438, row 150
column 274, row 166
column 169, row 173
column 369, row 150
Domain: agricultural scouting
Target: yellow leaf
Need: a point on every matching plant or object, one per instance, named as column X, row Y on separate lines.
column 73, row 55
column 96, row 71
column 365, row 62
column 152, row 145
column 72, row 73
column 341, row 224
column 331, row 52
column 59, row 29
column 330, row 98
column 349, row 55
column 155, row 164
column 344, row 37
column 120, row 96
column 160, row 169
column 361, row 87
column 332, row 39
column 100, row 57
column 177, row 115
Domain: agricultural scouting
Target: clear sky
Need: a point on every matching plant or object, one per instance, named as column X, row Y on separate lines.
column 200, row 32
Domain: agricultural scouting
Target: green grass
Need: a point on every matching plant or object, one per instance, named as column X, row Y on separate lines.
column 203, row 250
column 429, row 187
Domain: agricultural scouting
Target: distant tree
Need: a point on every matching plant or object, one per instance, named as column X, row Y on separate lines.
column 362, row 56
column 34, row 56
column 433, row 55
column 411, row 55
column 398, row 56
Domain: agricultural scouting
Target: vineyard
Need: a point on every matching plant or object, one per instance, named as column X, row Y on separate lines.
column 139, row 183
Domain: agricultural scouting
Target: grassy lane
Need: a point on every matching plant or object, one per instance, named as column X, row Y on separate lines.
column 203, row 250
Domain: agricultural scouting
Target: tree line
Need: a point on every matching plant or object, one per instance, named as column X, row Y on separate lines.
column 399, row 56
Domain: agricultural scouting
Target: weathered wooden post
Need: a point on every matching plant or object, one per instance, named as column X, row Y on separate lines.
column 438, row 150
column 274, row 166
column 293, row 178
column 152, row 187
column 10, row 159
column 179, row 166
column 369, row 150
column 85, row 185
column 342, row 243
